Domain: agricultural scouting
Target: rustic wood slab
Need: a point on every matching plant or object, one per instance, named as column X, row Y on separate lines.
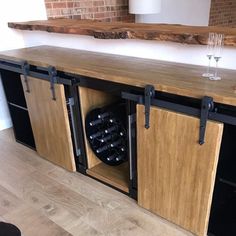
column 175, row 78
column 120, row 30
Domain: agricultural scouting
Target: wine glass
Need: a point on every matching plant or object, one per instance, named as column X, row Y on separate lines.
column 210, row 49
column 218, row 47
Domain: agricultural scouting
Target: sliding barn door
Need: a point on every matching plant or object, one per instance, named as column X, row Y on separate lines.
column 50, row 122
column 176, row 175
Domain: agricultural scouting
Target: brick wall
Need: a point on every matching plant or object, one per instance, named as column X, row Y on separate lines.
column 223, row 13
column 104, row 10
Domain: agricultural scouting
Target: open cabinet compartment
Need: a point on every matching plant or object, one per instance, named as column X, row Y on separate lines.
column 223, row 211
column 17, row 107
column 115, row 176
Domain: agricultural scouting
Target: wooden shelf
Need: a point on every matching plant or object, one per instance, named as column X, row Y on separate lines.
column 117, row 176
column 120, row 30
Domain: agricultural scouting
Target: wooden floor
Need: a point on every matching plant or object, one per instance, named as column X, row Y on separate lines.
column 45, row 200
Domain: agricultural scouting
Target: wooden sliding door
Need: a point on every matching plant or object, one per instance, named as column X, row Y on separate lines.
column 50, row 122
column 176, row 175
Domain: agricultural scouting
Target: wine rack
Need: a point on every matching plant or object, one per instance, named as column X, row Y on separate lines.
column 106, row 133
column 105, row 121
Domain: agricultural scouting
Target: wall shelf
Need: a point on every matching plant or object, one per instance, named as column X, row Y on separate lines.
column 120, row 30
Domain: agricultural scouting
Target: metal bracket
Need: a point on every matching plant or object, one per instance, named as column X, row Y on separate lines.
column 52, row 72
column 25, row 70
column 206, row 106
column 149, row 93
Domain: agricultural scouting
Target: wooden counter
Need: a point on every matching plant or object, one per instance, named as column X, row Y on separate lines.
column 169, row 77
column 120, row 30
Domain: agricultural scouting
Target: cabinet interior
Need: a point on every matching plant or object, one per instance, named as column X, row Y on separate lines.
column 17, row 107
column 116, row 176
column 223, row 210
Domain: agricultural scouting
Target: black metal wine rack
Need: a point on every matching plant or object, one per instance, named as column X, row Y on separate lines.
column 106, row 133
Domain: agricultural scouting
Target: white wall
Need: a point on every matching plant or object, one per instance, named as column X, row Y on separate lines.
column 186, row 12
column 15, row 10
column 166, row 51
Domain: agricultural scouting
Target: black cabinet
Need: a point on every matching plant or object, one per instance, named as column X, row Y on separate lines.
column 223, row 212
column 17, row 106
column 22, row 127
column 13, row 88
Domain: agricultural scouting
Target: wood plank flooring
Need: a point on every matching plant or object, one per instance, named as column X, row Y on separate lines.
column 43, row 199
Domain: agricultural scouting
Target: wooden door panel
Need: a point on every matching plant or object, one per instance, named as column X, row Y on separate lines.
column 50, row 123
column 176, row 175
column 89, row 100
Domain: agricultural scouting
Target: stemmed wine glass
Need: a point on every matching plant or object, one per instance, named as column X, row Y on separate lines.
column 218, row 46
column 210, row 50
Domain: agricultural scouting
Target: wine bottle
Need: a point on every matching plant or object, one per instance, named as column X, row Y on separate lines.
column 106, row 138
column 96, row 135
column 119, row 158
column 112, row 120
column 102, row 149
column 111, row 129
column 95, row 122
column 104, row 115
column 116, row 143
column 111, row 158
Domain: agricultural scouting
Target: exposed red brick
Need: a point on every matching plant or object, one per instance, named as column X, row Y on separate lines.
column 223, row 13
column 103, row 10
column 48, row 5
column 60, row 5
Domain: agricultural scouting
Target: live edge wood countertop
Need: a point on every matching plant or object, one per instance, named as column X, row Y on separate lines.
column 175, row 78
column 121, row 30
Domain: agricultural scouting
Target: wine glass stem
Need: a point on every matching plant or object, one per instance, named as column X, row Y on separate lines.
column 216, row 71
column 209, row 65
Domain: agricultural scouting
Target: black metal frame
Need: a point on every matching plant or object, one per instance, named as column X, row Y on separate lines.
column 44, row 73
column 207, row 110
column 80, row 155
column 132, row 145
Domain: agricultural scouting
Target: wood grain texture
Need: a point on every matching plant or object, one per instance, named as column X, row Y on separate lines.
column 168, row 77
column 176, row 175
column 44, row 199
column 117, row 176
column 27, row 219
column 118, row 30
column 89, row 100
column 50, row 123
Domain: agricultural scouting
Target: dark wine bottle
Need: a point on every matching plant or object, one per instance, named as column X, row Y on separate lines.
column 95, row 122
column 112, row 120
column 111, row 129
column 106, row 138
column 103, row 115
column 119, row 158
column 111, row 158
column 96, row 135
column 116, row 143
column 102, row 149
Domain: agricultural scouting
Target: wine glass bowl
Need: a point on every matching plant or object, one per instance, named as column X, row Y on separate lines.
column 218, row 47
column 210, row 51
